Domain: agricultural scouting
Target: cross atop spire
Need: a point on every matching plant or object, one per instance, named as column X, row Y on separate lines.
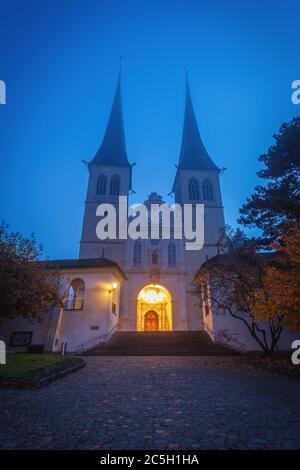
column 112, row 151
column 186, row 73
column 121, row 61
column 193, row 154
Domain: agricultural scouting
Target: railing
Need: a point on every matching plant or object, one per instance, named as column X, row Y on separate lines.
column 76, row 304
column 89, row 344
column 209, row 331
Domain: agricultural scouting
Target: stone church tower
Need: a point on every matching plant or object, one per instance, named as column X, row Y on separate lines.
column 109, row 178
column 197, row 180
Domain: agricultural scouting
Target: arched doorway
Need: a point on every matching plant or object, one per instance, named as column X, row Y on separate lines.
column 151, row 321
column 154, row 309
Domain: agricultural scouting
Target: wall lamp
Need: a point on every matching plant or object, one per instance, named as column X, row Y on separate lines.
column 114, row 285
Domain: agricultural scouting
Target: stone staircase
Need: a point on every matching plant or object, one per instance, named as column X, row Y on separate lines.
column 169, row 343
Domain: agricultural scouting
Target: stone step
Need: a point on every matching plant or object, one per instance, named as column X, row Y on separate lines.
column 171, row 343
column 178, row 353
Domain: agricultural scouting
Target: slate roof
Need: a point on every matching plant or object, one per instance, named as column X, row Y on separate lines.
column 82, row 263
column 193, row 154
column 112, row 151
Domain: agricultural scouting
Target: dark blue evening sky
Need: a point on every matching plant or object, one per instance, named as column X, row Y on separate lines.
column 59, row 60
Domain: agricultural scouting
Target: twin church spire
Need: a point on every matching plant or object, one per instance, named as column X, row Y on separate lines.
column 112, row 151
column 193, row 154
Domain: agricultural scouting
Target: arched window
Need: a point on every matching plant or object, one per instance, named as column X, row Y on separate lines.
column 114, row 189
column 75, row 295
column 101, row 185
column 171, row 255
column 207, row 190
column 194, row 193
column 137, row 254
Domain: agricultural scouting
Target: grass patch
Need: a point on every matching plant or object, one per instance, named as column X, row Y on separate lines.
column 31, row 368
column 18, row 364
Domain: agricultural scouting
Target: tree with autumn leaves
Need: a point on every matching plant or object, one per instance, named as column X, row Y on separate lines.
column 236, row 284
column 283, row 279
column 275, row 210
column 258, row 281
column 27, row 288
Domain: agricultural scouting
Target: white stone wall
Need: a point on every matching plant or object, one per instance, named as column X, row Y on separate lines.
column 226, row 330
column 78, row 328
column 39, row 330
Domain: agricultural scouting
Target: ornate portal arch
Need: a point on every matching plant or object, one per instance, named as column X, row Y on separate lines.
column 154, row 309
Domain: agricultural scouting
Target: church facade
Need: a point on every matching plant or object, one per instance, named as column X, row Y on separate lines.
column 135, row 285
column 158, row 266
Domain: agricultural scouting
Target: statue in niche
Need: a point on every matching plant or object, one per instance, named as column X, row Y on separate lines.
column 154, row 257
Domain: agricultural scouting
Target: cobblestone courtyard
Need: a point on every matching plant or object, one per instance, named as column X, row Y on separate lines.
column 155, row 403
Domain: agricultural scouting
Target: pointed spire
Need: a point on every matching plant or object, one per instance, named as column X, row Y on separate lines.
column 193, row 154
column 112, row 151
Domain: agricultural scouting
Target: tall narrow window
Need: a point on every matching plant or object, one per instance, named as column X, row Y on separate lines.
column 194, row 193
column 171, row 255
column 114, row 189
column 101, row 185
column 137, row 254
column 207, row 190
column 75, row 295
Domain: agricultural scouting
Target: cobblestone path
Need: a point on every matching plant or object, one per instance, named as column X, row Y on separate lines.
column 155, row 403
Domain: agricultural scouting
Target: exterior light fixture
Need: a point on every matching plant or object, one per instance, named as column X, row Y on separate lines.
column 114, row 285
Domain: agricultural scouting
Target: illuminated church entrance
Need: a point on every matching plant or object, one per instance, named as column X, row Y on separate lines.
column 154, row 309
column 151, row 322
